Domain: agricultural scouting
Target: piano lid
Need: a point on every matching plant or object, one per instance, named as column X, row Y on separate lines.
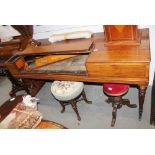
column 78, row 46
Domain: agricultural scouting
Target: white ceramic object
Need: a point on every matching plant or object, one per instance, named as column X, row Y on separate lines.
column 72, row 35
column 30, row 101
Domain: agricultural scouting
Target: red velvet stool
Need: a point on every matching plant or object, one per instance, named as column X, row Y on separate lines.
column 115, row 93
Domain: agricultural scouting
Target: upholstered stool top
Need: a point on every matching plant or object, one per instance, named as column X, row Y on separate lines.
column 66, row 90
column 115, row 89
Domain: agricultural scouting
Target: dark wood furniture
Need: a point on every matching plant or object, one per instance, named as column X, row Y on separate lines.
column 105, row 64
column 152, row 115
column 115, row 93
column 74, row 102
column 8, row 106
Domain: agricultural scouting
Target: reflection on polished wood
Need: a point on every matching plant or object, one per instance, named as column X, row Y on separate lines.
column 104, row 64
column 47, row 48
column 49, row 125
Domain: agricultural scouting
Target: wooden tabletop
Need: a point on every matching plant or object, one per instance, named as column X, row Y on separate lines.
column 132, row 53
column 128, row 64
column 102, row 53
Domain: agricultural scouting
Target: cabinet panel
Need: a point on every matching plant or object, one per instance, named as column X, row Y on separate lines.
column 123, row 70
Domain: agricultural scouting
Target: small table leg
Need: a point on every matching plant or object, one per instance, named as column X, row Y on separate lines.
column 142, row 92
column 85, row 98
column 74, row 106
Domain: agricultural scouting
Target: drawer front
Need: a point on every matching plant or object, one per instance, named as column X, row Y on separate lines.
column 122, row 70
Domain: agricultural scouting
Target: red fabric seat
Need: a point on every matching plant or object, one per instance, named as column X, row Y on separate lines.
column 115, row 89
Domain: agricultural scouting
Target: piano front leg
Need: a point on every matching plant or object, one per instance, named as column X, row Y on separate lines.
column 142, row 92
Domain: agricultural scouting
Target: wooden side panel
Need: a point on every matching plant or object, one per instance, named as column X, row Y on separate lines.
column 12, row 68
column 120, row 70
column 16, row 64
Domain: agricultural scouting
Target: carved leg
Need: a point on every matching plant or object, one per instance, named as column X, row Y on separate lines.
column 74, row 106
column 17, row 85
column 16, row 88
column 63, row 107
column 114, row 113
column 110, row 100
column 33, row 85
column 142, row 92
column 85, row 98
column 117, row 100
column 2, row 72
column 127, row 103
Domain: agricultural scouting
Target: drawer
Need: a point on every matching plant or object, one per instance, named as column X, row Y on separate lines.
column 122, row 70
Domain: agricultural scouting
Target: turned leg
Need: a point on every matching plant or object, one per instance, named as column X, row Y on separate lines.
column 152, row 117
column 142, row 92
column 63, row 107
column 85, row 98
column 114, row 113
column 74, row 106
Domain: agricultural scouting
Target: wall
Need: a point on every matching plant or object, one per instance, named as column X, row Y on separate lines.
column 152, row 47
column 47, row 30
